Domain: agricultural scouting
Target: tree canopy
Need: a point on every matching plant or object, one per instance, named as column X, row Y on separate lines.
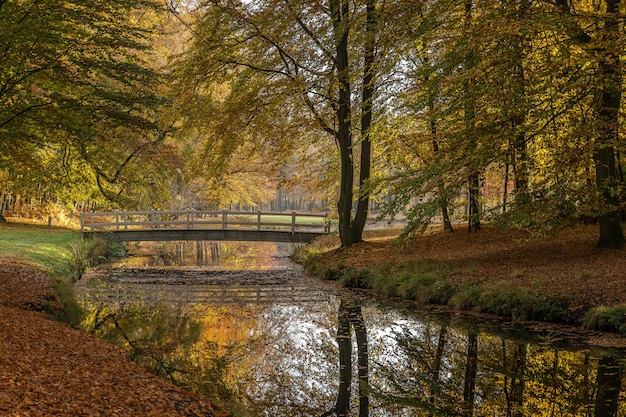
column 81, row 101
column 430, row 111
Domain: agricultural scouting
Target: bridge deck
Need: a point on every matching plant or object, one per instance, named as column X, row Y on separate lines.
column 206, row 225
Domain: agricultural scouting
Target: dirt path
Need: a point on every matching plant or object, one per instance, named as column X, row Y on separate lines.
column 50, row 369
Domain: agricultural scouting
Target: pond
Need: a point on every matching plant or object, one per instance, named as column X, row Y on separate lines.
column 242, row 325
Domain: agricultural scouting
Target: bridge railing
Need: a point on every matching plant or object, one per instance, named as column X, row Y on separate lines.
column 202, row 219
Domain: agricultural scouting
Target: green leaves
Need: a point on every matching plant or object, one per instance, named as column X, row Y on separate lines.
column 78, row 81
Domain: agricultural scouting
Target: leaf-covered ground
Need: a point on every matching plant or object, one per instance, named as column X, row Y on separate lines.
column 566, row 264
column 49, row 369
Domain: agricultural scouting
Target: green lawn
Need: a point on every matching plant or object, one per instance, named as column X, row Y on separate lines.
column 46, row 248
column 300, row 219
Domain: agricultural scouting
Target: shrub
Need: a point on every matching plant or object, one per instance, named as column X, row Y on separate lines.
column 611, row 319
column 87, row 252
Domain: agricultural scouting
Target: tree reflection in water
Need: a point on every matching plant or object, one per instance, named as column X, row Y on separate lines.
column 350, row 318
column 299, row 360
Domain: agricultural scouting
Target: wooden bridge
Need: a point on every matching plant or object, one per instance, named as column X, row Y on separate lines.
column 156, row 225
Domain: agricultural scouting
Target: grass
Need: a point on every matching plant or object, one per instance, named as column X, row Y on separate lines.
column 61, row 253
column 427, row 281
column 46, row 248
column 612, row 319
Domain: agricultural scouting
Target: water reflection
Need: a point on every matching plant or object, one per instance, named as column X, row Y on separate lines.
column 342, row 355
column 233, row 256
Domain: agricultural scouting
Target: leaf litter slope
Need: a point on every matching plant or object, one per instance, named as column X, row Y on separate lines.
column 49, row 369
column 566, row 264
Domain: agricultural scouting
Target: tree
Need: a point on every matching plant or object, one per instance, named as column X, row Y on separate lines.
column 273, row 67
column 79, row 92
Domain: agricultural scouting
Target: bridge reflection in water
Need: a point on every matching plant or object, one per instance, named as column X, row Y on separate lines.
column 207, row 287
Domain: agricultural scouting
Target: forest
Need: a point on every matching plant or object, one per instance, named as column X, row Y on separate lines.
column 449, row 112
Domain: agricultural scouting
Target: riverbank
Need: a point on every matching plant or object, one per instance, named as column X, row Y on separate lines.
column 48, row 368
column 560, row 278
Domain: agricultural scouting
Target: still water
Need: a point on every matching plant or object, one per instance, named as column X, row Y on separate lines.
column 242, row 325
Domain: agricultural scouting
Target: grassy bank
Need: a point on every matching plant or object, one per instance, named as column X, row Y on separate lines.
column 560, row 279
column 60, row 253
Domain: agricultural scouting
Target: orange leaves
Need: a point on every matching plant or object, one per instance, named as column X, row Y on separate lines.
column 50, row 369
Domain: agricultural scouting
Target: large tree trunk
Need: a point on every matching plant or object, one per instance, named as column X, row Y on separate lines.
column 339, row 11
column 473, row 179
column 607, row 176
column 351, row 229
column 369, row 81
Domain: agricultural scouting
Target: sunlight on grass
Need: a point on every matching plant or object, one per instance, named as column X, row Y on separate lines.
column 46, row 248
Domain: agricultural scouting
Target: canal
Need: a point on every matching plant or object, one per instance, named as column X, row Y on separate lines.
column 242, row 325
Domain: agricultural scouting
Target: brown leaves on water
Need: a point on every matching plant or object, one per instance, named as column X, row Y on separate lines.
column 50, row 369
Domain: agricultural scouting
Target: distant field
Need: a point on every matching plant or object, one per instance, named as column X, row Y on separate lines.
column 286, row 219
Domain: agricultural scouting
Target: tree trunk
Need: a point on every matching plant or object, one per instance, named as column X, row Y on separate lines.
column 369, row 81
column 521, row 157
column 339, row 13
column 351, row 229
column 607, row 177
column 441, row 188
column 473, row 180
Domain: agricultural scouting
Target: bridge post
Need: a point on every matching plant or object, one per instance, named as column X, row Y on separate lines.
column 224, row 220
column 293, row 222
column 82, row 222
column 153, row 219
column 188, row 219
column 117, row 219
column 258, row 221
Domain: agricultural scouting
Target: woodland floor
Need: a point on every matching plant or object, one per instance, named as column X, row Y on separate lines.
column 49, row 369
column 566, row 265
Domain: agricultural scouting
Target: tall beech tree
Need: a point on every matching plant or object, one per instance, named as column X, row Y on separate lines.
column 298, row 64
column 603, row 42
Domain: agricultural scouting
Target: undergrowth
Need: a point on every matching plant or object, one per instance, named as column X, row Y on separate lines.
column 91, row 251
column 427, row 281
column 612, row 319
